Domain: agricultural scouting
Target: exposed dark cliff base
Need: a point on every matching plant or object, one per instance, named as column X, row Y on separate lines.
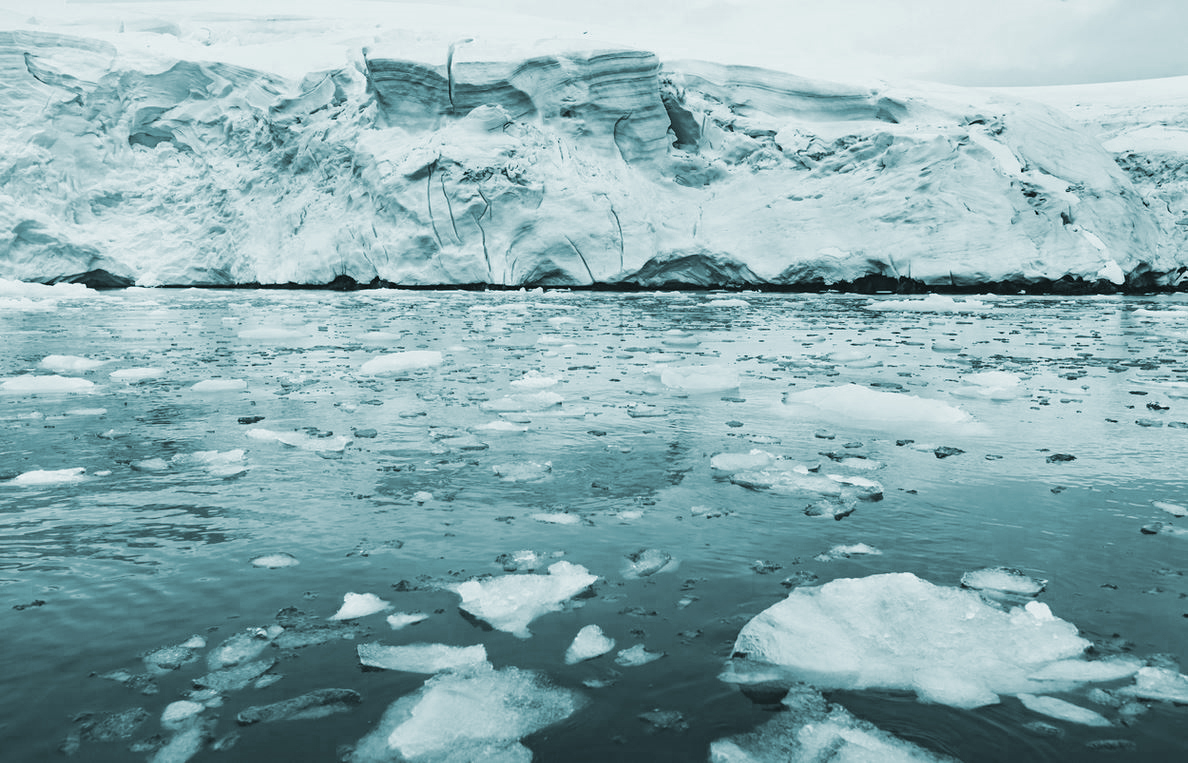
column 872, row 284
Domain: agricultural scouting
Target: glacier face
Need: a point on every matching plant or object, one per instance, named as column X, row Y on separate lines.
column 146, row 155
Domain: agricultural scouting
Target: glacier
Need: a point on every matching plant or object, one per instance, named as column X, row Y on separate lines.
column 144, row 146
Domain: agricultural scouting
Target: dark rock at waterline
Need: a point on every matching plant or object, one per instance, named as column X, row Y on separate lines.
column 945, row 451
column 1151, row 529
column 1060, row 458
column 315, row 704
column 799, row 578
column 34, row 603
column 250, row 419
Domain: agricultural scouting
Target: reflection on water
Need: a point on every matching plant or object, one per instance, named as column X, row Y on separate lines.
column 154, row 544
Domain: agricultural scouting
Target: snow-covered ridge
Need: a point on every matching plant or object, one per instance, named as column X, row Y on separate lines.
column 166, row 151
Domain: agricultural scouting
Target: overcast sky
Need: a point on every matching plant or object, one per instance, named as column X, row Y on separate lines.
column 965, row 42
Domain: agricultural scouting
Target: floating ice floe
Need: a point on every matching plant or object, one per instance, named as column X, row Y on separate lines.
column 637, row 655
column 300, row 440
column 847, row 551
column 242, row 647
column 933, row 303
column 800, row 480
column 990, row 385
column 355, row 605
column 1175, row 509
column 862, row 403
column 734, row 302
column 523, row 471
column 896, row 631
column 39, row 477
column 510, row 602
column 421, row 658
column 502, row 425
column 220, row 385
column 1158, row 683
column 647, row 562
column 179, row 714
column 478, row 714
column 31, row 384
column 69, row 364
column 87, row 412
column 533, row 380
column 400, row 362
column 216, row 463
column 558, row 518
column 275, row 561
column 590, row 642
column 1062, row 710
column 134, row 375
column 700, row 378
column 399, row 620
column 811, row 731
column 528, row 401
column 277, row 333
column 315, row 704
column 730, row 463
column 1003, row 580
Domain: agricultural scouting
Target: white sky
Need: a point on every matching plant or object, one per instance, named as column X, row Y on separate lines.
column 964, row 42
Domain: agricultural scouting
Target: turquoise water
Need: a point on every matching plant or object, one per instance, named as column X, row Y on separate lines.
column 136, row 557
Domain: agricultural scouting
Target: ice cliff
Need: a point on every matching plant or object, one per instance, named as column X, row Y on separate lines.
column 165, row 153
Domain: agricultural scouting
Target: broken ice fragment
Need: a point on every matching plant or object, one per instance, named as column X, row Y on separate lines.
column 399, row 362
column 241, row 647
column 315, row 704
column 510, row 602
column 220, row 385
column 590, row 642
column 635, row 656
column 1158, row 683
column 39, row 477
column 700, row 378
column 236, row 678
column 857, row 402
column 845, row 552
column 69, row 364
column 134, row 375
column 355, row 605
column 646, row 562
column 275, row 561
column 400, row 620
column 480, row 714
column 1003, row 580
column 179, row 714
column 420, row 658
column 29, row 384
column 898, row 631
column 523, row 471
column 1175, row 509
column 1061, row 710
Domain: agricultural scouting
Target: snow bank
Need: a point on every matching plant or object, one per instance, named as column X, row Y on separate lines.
column 896, row 631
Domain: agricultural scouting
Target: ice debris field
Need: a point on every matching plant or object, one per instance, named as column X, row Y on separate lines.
column 440, row 526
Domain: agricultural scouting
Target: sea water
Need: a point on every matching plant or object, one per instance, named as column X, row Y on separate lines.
column 196, row 481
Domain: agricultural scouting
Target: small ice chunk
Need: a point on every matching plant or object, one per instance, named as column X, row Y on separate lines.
column 647, row 562
column 700, row 378
column 634, row 656
column 241, row 647
column 39, row 477
column 510, row 602
column 1003, row 580
column 1175, row 509
column 150, row 465
column 133, row 375
column 399, row 620
column 179, row 714
column 1064, row 711
column 1088, row 671
column 301, row 441
column 845, row 552
column 479, row 714
column 275, row 561
column 220, row 385
column 315, row 704
column 933, row 303
column 234, row 678
column 533, row 380
column 355, row 605
column 731, row 463
column 69, row 364
column 400, row 362
column 523, row 471
column 858, row 402
column 1158, row 683
column 502, row 426
column 87, row 412
column 558, row 518
column 590, row 642
column 422, row 496
column 272, row 333
column 528, row 401
column 420, row 658
column 30, row 384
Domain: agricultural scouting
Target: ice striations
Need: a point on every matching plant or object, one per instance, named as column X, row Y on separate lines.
column 332, row 149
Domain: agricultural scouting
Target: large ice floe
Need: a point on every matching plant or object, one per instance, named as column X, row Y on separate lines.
column 475, row 714
column 872, row 406
column 896, row 631
column 415, row 151
column 510, row 602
